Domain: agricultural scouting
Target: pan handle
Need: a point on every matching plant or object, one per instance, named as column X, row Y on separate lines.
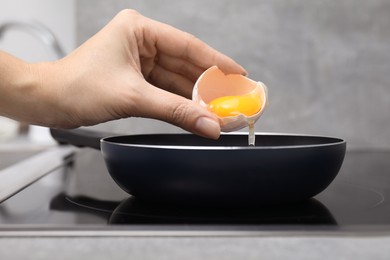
column 79, row 137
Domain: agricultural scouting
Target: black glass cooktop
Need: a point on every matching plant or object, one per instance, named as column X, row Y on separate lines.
column 81, row 196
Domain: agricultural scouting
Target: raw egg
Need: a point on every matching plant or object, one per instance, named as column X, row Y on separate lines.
column 236, row 100
column 247, row 105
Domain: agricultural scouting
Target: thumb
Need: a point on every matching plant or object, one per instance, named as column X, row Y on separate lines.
column 177, row 110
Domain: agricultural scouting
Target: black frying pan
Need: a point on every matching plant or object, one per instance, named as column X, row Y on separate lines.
column 187, row 169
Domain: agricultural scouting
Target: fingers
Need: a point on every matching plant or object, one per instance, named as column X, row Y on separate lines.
column 180, row 66
column 171, row 81
column 159, row 104
column 179, row 44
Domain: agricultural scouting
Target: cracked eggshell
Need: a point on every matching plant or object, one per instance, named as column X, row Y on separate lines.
column 213, row 84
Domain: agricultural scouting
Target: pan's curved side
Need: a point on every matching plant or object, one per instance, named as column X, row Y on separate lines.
column 223, row 177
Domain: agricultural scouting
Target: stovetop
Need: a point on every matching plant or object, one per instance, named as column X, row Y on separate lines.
column 80, row 197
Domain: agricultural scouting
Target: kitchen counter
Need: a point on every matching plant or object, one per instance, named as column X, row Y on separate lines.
column 9, row 158
column 268, row 247
column 19, row 149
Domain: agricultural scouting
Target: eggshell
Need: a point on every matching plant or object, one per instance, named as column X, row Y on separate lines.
column 213, row 83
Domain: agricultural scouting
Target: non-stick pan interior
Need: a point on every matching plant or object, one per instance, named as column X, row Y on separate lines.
column 226, row 140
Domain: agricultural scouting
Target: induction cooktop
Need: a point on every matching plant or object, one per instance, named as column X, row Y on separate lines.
column 80, row 198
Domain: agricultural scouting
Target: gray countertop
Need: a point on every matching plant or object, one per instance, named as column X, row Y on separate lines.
column 19, row 149
column 270, row 247
column 10, row 157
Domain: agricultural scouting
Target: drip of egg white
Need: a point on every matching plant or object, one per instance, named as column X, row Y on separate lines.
column 251, row 134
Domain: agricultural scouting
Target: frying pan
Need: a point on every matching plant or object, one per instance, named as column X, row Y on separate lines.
column 190, row 170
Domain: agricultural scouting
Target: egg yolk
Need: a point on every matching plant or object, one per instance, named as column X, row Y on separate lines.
column 226, row 106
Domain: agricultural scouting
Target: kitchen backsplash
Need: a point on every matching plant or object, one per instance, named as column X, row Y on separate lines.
column 326, row 63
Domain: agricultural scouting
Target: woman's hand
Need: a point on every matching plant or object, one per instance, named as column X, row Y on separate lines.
column 134, row 66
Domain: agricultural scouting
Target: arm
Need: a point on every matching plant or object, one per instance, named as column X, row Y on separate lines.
column 134, row 66
column 18, row 84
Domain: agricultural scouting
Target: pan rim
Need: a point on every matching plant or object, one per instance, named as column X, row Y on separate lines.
column 337, row 141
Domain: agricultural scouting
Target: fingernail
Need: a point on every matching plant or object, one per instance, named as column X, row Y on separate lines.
column 207, row 127
column 245, row 73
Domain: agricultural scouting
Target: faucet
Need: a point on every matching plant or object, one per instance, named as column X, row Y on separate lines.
column 38, row 30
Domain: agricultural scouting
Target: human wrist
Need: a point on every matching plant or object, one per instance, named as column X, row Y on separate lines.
column 23, row 94
column 45, row 92
column 16, row 84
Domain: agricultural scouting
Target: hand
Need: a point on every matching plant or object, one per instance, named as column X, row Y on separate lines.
column 134, row 66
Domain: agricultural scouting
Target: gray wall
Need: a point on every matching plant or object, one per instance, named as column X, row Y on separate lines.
column 326, row 63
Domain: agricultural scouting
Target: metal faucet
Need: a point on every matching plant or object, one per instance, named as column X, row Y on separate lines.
column 38, row 30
